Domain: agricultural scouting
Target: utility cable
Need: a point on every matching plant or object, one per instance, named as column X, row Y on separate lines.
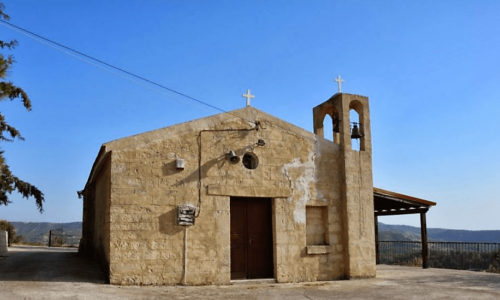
column 47, row 40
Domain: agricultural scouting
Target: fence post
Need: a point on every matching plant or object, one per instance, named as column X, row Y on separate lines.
column 50, row 236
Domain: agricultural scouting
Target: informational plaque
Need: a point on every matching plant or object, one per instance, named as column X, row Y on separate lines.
column 186, row 215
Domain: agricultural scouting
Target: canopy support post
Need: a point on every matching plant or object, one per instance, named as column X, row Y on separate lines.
column 425, row 249
column 377, row 249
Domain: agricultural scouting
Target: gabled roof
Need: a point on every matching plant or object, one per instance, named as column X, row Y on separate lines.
column 248, row 114
column 391, row 203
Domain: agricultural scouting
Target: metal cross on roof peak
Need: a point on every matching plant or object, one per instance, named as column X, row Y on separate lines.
column 339, row 81
column 248, row 96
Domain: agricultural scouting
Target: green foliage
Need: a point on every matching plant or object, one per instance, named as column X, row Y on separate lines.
column 8, row 182
column 465, row 260
column 13, row 237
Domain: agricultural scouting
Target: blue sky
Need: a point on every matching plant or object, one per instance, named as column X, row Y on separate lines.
column 430, row 68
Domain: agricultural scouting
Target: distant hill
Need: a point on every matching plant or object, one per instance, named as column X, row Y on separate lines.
column 411, row 233
column 393, row 235
column 38, row 232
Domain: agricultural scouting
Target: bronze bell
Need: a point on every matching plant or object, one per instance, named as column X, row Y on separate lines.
column 355, row 134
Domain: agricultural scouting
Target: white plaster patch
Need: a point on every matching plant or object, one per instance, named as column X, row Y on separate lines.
column 301, row 184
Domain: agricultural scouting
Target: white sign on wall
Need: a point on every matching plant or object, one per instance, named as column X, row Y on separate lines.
column 186, row 215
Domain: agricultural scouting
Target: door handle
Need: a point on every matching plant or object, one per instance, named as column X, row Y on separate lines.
column 250, row 241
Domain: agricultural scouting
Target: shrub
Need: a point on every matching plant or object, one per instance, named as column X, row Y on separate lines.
column 13, row 237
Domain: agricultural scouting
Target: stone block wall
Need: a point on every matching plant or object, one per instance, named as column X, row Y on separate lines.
column 357, row 185
column 295, row 169
column 101, row 208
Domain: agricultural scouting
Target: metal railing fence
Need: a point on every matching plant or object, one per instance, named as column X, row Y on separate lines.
column 57, row 238
column 448, row 255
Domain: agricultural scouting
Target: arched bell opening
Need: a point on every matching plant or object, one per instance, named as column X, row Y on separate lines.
column 327, row 122
column 357, row 126
column 333, row 123
column 328, row 133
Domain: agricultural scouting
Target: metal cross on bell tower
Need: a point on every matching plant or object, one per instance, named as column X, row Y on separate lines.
column 248, row 96
column 339, row 81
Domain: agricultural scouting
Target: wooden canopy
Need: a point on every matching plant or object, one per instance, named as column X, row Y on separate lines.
column 387, row 203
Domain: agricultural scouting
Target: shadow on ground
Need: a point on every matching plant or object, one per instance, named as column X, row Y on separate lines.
column 26, row 263
column 59, row 273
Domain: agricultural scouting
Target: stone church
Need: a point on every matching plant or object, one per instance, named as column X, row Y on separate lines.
column 238, row 195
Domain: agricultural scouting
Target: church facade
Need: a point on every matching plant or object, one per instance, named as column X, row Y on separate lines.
column 239, row 195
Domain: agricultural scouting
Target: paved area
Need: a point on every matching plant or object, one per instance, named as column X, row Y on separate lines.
column 59, row 273
column 43, row 264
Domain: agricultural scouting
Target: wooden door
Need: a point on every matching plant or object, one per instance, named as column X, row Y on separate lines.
column 251, row 238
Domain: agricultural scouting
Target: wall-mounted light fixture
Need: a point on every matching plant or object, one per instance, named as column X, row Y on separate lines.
column 233, row 158
column 179, row 164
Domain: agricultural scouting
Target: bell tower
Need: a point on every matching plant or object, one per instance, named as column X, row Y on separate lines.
column 356, row 178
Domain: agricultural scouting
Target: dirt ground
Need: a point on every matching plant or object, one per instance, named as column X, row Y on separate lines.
column 59, row 273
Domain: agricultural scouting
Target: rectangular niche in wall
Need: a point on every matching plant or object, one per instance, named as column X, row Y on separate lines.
column 317, row 230
column 316, row 225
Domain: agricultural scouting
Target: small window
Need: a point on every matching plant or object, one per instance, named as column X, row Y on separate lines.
column 250, row 161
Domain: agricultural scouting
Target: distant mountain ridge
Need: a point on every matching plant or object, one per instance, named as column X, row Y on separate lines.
column 410, row 233
column 38, row 232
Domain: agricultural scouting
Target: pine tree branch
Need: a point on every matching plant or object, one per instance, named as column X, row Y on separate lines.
column 5, row 63
column 10, row 183
column 7, row 89
column 9, row 45
column 2, row 14
column 13, row 132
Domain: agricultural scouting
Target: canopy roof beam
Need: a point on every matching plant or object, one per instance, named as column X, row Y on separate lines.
column 387, row 203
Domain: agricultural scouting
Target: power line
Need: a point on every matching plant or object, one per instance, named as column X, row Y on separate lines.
column 32, row 34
